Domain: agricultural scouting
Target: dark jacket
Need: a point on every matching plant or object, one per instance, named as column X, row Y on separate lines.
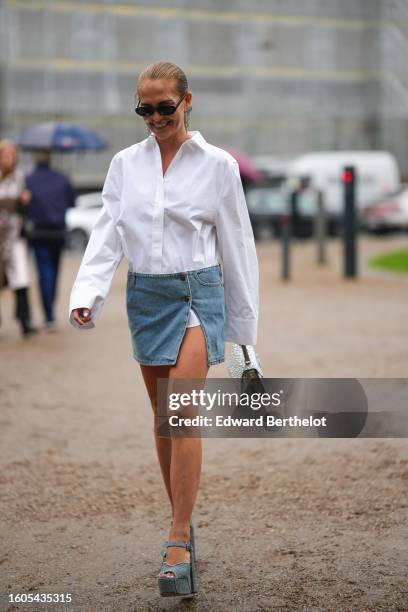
column 52, row 193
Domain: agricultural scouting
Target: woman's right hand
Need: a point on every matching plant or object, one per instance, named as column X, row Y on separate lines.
column 25, row 197
column 81, row 315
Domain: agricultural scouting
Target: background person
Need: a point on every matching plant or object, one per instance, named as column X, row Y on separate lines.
column 14, row 268
column 51, row 195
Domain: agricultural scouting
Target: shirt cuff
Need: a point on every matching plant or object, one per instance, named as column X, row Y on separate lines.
column 241, row 331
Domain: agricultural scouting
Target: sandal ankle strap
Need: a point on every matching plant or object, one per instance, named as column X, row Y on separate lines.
column 178, row 543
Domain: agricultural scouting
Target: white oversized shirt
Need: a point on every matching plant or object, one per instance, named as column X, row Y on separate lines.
column 193, row 217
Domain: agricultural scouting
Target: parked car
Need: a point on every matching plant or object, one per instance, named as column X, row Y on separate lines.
column 267, row 205
column 377, row 175
column 387, row 214
column 81, row 218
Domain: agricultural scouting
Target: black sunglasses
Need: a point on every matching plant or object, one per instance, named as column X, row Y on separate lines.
column 164, row 108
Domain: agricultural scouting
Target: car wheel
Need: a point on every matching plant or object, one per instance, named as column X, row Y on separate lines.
column 77, row 240
column 276, row 231
column 335, row 229
column 255, row 231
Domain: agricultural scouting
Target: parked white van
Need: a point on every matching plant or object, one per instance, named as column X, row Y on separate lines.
column 377, row 174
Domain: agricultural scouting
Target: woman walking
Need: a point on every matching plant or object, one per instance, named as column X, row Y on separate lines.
column 174, row 206
column 14, row 268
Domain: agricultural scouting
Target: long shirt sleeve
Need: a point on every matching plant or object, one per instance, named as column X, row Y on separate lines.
column 239, row 258
column 102, row 255
column 193, row 217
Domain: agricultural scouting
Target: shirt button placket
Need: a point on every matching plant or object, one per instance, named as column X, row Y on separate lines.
column 158, row 221
column 187, row 298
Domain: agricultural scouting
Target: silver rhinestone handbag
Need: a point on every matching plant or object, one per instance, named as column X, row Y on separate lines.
column 245, row 366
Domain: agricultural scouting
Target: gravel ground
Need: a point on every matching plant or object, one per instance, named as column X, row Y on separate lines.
column 286, row 524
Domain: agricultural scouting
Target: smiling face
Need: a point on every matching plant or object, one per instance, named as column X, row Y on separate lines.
column 167, row 127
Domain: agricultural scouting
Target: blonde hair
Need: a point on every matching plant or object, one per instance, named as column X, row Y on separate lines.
column 170, row 71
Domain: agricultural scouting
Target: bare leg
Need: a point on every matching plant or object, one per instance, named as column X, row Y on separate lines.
column 186, row 455
column 180, row 457
column 163, row 445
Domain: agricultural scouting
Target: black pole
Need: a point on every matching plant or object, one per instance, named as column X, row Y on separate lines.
column 286, row 236
column 320, row 227
column 349, row 222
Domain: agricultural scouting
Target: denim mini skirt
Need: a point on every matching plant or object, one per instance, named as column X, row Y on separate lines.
column 158, row 307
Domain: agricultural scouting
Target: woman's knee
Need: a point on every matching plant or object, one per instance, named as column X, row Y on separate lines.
column 159, row 419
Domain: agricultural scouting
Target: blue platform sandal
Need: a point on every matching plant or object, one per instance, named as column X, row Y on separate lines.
column 192, row 540
column 184, row 580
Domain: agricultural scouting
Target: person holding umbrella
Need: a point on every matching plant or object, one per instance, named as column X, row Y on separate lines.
column 51, row 195
column 173, row 204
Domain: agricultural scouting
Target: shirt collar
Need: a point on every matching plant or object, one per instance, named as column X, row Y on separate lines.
column 196, row 139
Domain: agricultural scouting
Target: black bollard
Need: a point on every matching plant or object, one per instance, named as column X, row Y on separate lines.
column 349, row 222
column 320, row 228
column 286, row 232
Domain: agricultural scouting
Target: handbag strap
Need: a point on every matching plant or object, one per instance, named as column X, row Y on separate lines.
column 246, row 354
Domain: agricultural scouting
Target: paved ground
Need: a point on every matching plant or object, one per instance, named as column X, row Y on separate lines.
column 282, row 524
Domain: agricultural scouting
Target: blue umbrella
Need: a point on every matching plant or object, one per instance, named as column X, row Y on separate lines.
column 63, row 137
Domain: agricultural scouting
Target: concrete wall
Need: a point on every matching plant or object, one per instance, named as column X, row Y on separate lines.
column 393, row 108
column 268, row 76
